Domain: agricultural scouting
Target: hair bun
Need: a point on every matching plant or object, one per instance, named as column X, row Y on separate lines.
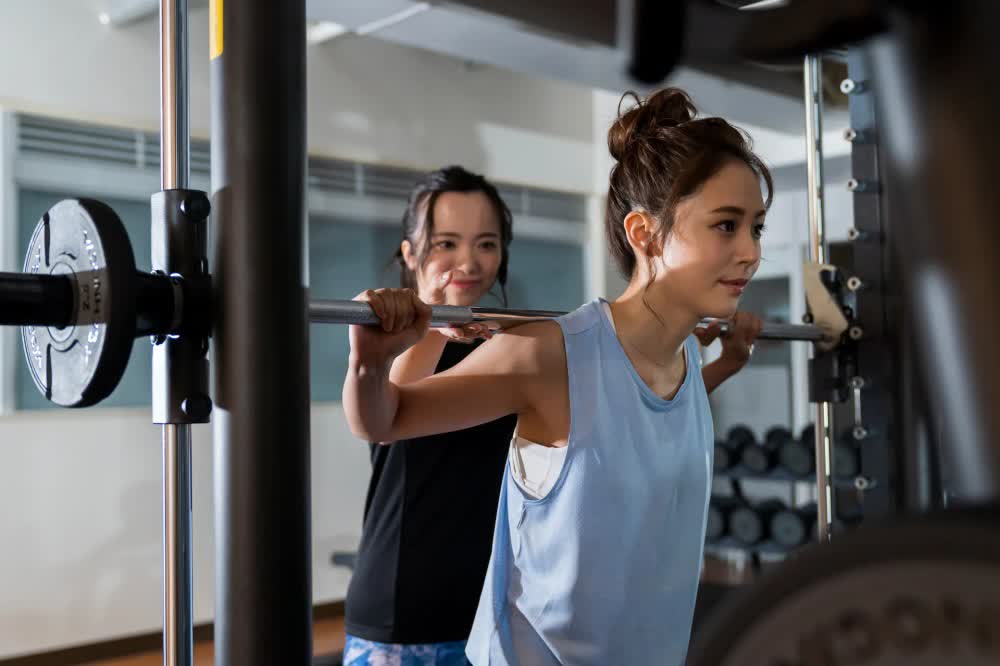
column 664, row 109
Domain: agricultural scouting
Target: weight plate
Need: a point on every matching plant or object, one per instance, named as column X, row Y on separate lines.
column 81, row 364
column 924, row 590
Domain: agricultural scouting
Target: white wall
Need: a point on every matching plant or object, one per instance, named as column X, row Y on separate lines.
column 368, row 99
column 375, row 101
column 81, row 522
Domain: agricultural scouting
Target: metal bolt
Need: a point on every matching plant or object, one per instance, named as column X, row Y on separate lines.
column 198, row 406
column 859, row 432
column 863, row 483
column 856, row 332
column 857, row 382
column 852, row 87
column 852, row 135
column 854, row 283
column 854, row 234
column 196, row 206
column 855, row 185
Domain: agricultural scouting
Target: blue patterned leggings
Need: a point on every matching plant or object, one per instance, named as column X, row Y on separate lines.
column 359, row 652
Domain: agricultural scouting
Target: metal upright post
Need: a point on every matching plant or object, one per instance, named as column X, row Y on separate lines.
column 812, row 78
column 260, row 354
column 176, row 441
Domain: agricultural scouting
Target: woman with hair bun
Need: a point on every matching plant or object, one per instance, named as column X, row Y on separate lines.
column 598, row 540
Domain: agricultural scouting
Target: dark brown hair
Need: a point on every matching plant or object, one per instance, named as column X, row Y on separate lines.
column 665, row 154
column 418, row 219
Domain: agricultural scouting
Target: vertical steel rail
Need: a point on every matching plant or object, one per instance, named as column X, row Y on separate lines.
column 178, row 625
column 812, row 80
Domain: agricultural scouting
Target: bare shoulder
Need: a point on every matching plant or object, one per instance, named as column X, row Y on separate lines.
column 539, row 346
column 528, row 349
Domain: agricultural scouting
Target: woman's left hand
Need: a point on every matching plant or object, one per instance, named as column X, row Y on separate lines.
column 435, row 294
column 737, row 341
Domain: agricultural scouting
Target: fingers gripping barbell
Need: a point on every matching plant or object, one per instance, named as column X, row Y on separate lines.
column 81, row 302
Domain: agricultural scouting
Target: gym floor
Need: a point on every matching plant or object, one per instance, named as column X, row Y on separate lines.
column 328, row 637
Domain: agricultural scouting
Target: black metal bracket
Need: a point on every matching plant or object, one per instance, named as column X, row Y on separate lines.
column 180, row 358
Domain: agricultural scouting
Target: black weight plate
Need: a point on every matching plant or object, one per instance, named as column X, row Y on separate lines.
column 924, row 590
column 81, row 364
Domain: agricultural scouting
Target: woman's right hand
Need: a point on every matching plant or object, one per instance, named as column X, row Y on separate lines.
column 405, row 321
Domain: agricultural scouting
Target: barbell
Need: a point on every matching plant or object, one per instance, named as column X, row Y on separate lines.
column 81, row 303
column 361, row 314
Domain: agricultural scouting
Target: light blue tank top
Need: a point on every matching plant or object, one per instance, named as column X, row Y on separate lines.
column 604, row 569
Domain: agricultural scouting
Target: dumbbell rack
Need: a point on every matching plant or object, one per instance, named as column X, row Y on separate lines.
column 859, row 378
column 739, row 472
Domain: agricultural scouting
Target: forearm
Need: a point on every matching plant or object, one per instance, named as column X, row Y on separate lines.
column 370, row 399
column 419, row 361
column 716, row 372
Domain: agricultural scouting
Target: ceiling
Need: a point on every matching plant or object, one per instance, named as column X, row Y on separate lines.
column 585, row 42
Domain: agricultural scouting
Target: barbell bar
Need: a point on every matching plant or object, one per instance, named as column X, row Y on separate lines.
column 361, row 314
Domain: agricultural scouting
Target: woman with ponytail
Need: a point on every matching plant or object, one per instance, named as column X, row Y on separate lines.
column 600, row 526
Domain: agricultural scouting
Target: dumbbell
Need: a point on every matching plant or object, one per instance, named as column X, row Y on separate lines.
column 798, row 456
column 725, row 456
column 729, row 451
column 762, row 457
column 793, row 526
column 750, row 524
column 719, row 509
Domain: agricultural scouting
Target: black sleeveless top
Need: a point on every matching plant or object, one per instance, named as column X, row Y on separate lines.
column 428, row 531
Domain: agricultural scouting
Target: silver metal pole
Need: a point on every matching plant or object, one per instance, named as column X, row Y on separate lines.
column 361, row 314
column 175, row 152
column 178, row 624
column 178, row 629
column 812, row 78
